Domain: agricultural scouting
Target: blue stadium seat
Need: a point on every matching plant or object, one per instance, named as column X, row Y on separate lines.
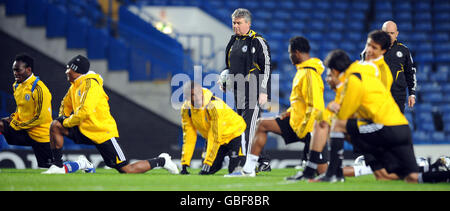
column 383, row 15
column 288, row 5
column 36, row 12
column 56, row 21
column 97, row 43
column 422, row 76
column 423, row 57
column 305, row 5
column 262, row 14
column 269, row 4
column 443, row 26
column 443, row 57
column 424, row 26
column 360, row 5
column 438, row 137
column 446, row 88
column 440, row 37
column 433, row 97
column 322, row 5
column 447, row 127
column 403, row 15
column 430, row 87
column 77, row 32
column 423, row 16
column 424, row 6
column 421, row 137
column 357, row 16
column 405, row 25
column 424, row 107
column 419, row 36
column 15, row 7
column 118, row 54
column 283, row 15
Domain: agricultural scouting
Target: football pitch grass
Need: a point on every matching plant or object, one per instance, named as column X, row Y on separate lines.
column 161, row 180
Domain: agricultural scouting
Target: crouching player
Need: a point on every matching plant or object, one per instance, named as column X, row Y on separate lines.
column 381, row 133
column 84, row 117
column 216, row 122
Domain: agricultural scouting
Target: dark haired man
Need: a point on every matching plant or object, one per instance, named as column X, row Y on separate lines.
column 296, row 123
column 84, row 117
column 377, row 44
column 380, row 131
column 29, row 124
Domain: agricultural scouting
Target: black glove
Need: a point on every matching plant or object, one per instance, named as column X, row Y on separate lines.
column 184, row 169
column 61, row 119
column 205, row 169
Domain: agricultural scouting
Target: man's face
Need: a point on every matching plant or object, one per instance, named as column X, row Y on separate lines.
column 392, row 31
column 240, row 26
column 71, row 75
column 294, row 56
column 373, row 50
column 20, row 71
column 332, row 78
column 196, row 97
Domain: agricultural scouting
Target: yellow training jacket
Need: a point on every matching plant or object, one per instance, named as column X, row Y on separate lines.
column 306, row 96
column 34, row 109
column 385, row 74
column 215, row 121
column 368, row 97
column 361, row 67
column 86, row 105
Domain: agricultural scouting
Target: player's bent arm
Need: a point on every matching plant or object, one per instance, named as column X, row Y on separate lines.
column 66, row 105
column 189, row 137
column 214, row 136
column 352, row 97
column 89, row 100
column 43, row 102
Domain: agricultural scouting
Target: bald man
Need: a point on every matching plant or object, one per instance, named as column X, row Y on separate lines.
column 399, row 59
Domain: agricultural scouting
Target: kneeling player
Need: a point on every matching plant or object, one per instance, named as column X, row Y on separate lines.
column 297, row 123
column 85, row 118
column 381, row 132
column 216, row 122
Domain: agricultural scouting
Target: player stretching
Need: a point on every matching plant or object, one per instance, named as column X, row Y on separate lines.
column 85, row 118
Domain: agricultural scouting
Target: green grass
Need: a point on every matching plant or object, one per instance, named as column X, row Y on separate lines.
column 161, row 180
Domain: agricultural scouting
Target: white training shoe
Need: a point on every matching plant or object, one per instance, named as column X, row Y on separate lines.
column 55, row 170
column 241, row 173
column 89, row 166
column 169, row 164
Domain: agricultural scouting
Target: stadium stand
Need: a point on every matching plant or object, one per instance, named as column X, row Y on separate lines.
column 424, row 27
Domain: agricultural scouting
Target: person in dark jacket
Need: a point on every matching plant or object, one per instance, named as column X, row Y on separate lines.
column 399, row 59
column 248, row 60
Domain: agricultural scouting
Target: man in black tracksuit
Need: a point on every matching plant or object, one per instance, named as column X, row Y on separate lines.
column 402, row 67
column 248, row 60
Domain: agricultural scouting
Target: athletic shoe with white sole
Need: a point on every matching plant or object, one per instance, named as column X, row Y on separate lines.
column 241, row 173
column 89, row 166
column 169, row 164
column 55, row 170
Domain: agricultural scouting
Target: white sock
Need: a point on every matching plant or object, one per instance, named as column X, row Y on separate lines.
column 362, row 170
column 250, row 163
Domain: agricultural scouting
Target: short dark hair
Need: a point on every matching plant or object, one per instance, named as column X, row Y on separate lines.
column 338, row 60
column 299, row 43
column 382, row 38
column 26, row 59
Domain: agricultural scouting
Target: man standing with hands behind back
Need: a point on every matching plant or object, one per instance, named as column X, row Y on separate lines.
column 399, row 59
